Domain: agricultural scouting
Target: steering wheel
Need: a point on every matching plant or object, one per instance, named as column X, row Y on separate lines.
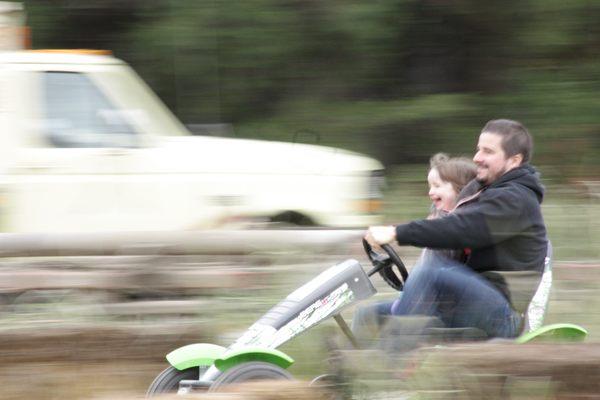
column 384, row 264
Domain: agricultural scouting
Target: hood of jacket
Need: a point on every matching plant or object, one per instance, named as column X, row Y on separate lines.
column 525, row 175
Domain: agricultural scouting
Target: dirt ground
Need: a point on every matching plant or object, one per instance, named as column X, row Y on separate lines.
column 118, row 365
column 106, row 364
column 76, row 363
column 57, row 361
column 508, row 371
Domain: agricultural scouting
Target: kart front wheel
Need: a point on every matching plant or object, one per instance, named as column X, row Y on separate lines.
column 168, row 380
column 250, row 371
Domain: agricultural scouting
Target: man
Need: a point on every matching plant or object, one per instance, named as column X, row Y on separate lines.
column 497, row 225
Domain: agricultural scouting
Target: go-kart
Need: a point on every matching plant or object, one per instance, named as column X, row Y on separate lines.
column 254, row 355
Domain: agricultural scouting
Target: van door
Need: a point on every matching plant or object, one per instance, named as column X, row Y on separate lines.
column 63, row 174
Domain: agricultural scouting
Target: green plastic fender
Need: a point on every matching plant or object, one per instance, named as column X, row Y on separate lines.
column 247, row 354
column 195, row 355
column 555, row 332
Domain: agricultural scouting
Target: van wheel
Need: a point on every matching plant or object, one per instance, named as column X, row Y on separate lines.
column 293, row 218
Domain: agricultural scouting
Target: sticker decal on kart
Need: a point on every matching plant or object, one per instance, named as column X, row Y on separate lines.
column 258, row 334
column 262, row 335
column 314, row 314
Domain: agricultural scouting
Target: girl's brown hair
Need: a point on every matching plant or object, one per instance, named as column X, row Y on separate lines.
column 457, row 170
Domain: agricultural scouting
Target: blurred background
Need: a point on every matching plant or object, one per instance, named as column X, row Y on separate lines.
column 398, row 80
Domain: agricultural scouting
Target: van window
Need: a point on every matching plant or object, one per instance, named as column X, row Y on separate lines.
column 78, row 114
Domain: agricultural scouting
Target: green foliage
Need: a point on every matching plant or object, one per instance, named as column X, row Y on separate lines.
column 391, row 130
column 399, row 79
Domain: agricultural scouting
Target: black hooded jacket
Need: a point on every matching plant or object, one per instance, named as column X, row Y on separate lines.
column 499, row 227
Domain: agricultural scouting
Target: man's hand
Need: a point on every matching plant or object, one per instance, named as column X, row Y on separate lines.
column 378, row 235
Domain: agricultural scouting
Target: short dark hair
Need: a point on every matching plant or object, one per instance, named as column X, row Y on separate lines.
column 515, row 137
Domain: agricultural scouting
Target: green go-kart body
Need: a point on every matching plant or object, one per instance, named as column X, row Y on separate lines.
column 254, row 355
column 207, row 354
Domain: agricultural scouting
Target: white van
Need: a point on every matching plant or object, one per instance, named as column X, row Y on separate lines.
column 86, row 146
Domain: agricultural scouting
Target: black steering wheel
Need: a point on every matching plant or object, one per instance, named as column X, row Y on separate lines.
column 384, row 264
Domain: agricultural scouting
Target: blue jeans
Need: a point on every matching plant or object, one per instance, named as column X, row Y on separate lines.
column 458, row 296
column 368, row 320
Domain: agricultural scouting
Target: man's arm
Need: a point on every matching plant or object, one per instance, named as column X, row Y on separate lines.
column 497, row 216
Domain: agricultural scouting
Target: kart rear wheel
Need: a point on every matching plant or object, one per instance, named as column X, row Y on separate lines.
column 168, row 380
column 250, row 371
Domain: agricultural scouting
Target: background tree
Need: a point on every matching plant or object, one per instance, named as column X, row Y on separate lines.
column 399, row 79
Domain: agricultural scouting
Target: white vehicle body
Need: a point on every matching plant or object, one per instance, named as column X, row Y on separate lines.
column 86, row 146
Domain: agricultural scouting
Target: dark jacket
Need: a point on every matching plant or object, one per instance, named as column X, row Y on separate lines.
column 499, row 227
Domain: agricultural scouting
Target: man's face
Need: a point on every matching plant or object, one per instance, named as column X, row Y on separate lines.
column 491, row 160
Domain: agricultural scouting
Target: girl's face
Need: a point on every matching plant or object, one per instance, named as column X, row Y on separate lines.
column 441, row 193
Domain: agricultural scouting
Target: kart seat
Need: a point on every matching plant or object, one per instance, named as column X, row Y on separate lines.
column 536, row 311
column 533, row 327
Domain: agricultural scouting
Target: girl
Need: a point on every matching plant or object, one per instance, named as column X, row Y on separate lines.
column 446, row 178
